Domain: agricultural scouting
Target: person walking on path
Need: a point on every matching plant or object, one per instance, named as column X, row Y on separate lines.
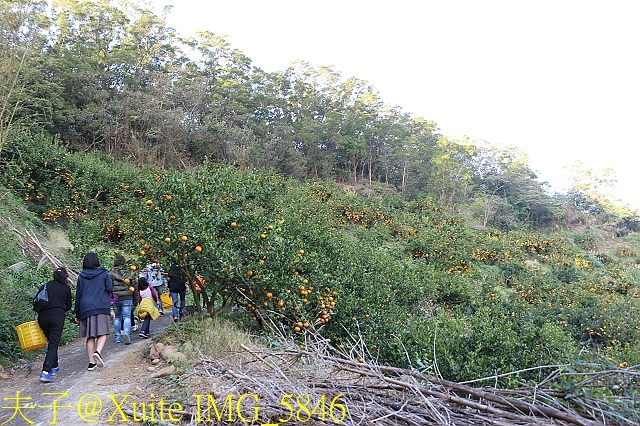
column 177, row 290
column 123, row 307
column 147, row 307
column 92, row 307
column 155, row 277
column 51, row 321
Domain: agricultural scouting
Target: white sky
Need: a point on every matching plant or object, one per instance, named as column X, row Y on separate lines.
column 559, row 79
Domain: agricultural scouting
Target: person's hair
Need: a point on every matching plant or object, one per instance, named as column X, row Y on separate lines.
column 90, row 261
column 120, row 260
column 174, row 271
column 142, row 283
column 61, row 275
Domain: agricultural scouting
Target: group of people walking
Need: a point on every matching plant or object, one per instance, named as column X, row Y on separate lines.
column 98, row 291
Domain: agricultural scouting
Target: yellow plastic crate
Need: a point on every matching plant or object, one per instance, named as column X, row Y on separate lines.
column 166, row 301
column 31, row 336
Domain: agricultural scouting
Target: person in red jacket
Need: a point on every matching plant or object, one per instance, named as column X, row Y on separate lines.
column 51, row 321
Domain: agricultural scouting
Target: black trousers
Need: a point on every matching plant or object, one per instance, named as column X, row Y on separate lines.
column 51, row 321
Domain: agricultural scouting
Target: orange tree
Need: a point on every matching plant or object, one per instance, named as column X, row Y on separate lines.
column 234, row 229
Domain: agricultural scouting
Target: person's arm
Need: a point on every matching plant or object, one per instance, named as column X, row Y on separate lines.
column 115, row 275
column 67, row 302
column 108, row 284
column 79, row 287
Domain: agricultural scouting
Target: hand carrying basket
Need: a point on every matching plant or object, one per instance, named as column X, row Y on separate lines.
column 31, row 336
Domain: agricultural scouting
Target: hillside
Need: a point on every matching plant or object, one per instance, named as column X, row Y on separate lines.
column 360, row 280
column 340, row 232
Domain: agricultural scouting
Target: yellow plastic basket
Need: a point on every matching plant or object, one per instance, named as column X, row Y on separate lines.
column 31, row 336
column 166, row 301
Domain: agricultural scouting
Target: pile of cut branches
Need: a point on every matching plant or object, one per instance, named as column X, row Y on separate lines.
column 32, row 248
column 313, row 387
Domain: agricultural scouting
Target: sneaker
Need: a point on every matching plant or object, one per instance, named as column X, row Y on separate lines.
column 46, row 377
column 118, row 340
column 91, row 366
column 55, row 370
column 134, row 326
column 161, row 312
column 144, row 335
column 175, row 319
column 127, row 339
column 98, row 359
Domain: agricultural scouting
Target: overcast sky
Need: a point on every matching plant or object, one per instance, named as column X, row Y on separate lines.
column 558, row 79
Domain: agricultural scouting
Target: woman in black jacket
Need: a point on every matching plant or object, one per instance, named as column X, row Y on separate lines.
column 93, row 307
column 51, row 321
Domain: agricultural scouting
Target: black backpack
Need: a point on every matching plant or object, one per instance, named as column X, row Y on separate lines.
column 42, row 299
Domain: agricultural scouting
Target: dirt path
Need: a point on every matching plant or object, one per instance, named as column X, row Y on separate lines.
column 78, row 396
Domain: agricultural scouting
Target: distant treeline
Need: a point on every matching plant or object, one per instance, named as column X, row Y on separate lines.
column 103, row 76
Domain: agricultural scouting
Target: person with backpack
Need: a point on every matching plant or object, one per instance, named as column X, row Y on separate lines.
column 155, row 277
column 124, row 290
column 51, row 320
column 147, row 310
column 177, row 290
column 92, row 307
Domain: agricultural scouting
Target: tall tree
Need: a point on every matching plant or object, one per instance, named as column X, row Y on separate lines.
column 451, row 177
column 21, row 41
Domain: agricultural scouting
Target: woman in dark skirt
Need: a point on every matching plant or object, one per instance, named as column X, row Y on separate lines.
column 51, row 321
column 92, row 307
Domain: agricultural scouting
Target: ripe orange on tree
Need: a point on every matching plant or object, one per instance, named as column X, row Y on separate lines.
column 269, row 295
column 149, row 202
column 270, row 227
column 168, row 197
column 133, row 267
column 172, row 217
column 198, row 249
column 233, row 224
column 249, row 273
column 127, row 281
column 183, row 238
column 263, row 235
column 167, row 240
